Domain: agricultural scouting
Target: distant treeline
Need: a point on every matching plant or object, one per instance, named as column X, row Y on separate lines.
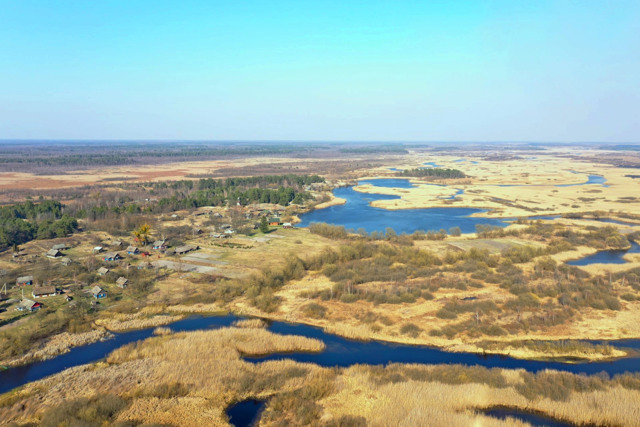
column 394, row 149
column 128, row 155
column 433, row 172
column 27, row 221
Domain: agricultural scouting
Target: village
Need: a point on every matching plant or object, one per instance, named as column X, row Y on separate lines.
column 97, row 268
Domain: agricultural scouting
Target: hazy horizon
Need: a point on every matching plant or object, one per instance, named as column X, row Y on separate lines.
column 285, row 71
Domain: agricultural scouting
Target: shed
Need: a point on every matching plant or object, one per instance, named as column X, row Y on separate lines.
column 24, row 280
column 102, row 271
column 122, row 282
column 132, row 250
column 53, row 253
column 117, row 243
column 111, row 256
column 28, row 305
column 97, row 249
column 44, row 291
column 59, row 246
column 287, row 225
column 66, row 261
column 98, row 292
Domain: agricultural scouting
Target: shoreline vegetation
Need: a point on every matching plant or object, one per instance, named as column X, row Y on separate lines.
column 193, row 377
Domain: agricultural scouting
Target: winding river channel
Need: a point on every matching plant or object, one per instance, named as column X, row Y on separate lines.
column 339, row 351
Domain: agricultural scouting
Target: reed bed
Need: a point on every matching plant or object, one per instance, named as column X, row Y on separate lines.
column 57, row 345
column 250, row 323
column 190, row 378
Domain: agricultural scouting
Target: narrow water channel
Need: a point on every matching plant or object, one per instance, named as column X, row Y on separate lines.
column 339, row 351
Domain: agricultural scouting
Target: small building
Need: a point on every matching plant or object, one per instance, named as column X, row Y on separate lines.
column 117, row 244
column 24, row 280
column 185, row 249
column 217, row 215
column 53, row 253
column 132, row 250
column 102, row 271
column 28, row 305
column 122, row 282
column 44, row 291
column 66, row 261
column 60, row 247
column 111, row 256
column 274, row 222
column 159, row 245
column 97, row 249
column 287, row 225
column 98, row 292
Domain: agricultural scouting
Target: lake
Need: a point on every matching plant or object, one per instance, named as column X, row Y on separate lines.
column 358, row 213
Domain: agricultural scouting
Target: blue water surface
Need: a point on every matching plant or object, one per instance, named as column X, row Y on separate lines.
column 357, row 213
column 607, row 257
column 245, row 413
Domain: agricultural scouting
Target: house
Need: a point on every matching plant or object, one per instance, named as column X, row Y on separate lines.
column 97, row 249
column 159, row 245
column 98, row 292
column 102, row 271
column 132, row 250
column 287, row 225
column 44, row 291
column 53, row 253
column 66, row 261
column 28, row 305
column 24, row 280
column 59, row 247
column 122, row 282
column 117, row 244
column 111, row 256
column 274, row 222
column 185, row 249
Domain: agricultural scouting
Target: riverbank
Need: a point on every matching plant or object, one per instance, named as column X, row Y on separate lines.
column 56, row 345
column 192, row 378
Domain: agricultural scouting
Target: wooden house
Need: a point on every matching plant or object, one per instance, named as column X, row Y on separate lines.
column 24, row 280
column 98, row 292
column 53, row 253
column 111, row 256
column 44, row 291
column 102, row 271
column 274, row 222
column 117, row 244
column 159, row 245
column 28, row 305
column 60, row 247
column 122, row 282
column 132, row 250
column 185, row 249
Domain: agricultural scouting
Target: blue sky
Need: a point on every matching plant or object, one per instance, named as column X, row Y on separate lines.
column 321, row 70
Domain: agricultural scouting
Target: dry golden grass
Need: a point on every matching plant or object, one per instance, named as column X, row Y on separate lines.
column 57, row 345
column 190, row 378
column 147, row 317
